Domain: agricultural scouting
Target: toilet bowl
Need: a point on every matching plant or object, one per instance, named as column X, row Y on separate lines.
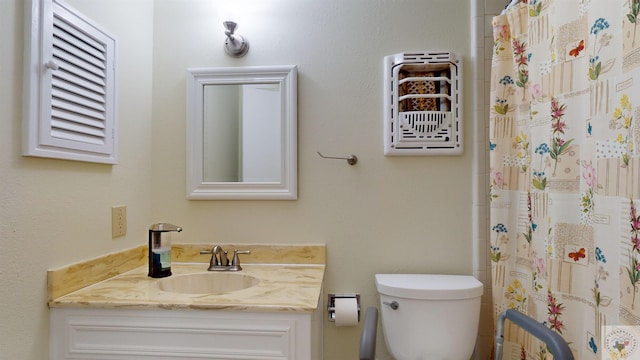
column 428, row 316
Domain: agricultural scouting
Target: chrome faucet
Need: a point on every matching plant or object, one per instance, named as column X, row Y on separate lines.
column 219, row 256
column 220, row 261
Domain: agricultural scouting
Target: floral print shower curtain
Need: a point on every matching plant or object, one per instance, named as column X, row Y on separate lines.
column 565, row 174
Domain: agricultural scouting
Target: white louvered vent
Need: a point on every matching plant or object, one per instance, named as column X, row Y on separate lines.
column 422, row 101
column 71, row 82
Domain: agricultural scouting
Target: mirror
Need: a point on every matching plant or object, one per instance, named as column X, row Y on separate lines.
column 242, row 133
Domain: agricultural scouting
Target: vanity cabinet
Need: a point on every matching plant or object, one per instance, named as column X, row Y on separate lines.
column 96, row 315
column 90, row 333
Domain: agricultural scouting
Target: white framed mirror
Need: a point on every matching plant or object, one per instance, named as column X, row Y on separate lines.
column 242, row 133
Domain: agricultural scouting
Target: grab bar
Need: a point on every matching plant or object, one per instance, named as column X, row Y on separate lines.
column 368, row 337
column 554, row 341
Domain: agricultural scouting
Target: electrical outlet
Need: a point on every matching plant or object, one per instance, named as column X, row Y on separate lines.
column 118, row 221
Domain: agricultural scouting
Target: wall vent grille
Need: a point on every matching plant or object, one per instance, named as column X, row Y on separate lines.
column 422, row 104
column 70, row 85
column 78, row 110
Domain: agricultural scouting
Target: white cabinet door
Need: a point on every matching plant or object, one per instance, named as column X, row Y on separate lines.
column 193, row 334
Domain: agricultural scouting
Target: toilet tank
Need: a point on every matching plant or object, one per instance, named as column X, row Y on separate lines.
column 436, row 316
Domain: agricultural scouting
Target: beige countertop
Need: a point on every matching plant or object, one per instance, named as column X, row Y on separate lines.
column 290, row 280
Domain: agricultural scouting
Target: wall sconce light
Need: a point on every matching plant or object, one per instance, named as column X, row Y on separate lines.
column 236, row 45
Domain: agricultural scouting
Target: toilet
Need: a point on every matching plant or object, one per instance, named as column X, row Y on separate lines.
column 428, row 316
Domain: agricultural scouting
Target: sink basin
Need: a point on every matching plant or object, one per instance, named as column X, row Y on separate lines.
column 207, row 283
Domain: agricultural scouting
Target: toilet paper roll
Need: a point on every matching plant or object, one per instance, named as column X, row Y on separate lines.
column 346, row 311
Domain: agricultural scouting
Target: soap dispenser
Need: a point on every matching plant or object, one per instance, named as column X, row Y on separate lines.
column 160, row 249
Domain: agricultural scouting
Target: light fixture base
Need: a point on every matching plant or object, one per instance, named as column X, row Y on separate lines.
column 236, row 45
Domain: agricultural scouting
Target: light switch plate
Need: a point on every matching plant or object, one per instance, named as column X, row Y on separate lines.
column 118, row 221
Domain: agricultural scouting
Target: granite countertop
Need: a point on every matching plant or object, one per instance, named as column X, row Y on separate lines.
column 290, row 280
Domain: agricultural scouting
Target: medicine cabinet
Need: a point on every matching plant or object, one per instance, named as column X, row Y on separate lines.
column 242, row 133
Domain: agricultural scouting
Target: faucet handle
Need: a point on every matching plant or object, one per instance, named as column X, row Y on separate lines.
column 236, row 260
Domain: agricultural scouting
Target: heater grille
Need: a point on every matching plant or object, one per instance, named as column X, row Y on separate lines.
column 422, row 104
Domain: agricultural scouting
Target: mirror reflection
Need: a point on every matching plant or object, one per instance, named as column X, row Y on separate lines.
column 242, row 133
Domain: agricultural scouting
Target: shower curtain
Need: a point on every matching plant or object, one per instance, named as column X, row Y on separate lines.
column 565, row 174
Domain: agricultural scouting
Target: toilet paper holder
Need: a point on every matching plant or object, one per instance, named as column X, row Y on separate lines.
column 331, row 304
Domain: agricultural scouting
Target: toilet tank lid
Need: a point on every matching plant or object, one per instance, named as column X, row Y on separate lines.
column 429, row 286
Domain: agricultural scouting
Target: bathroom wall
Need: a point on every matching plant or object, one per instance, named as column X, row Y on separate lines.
column 385, row 214
column 483, row 12
column 55, row 212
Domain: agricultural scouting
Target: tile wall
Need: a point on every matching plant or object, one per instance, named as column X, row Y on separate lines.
column 483, row 12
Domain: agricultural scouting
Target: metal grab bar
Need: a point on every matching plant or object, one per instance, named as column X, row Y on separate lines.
column 554, row 341
column 368, row 337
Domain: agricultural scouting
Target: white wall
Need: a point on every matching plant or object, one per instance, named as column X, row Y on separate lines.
column 261, row 133
column 386, row 214
column 55, row 212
